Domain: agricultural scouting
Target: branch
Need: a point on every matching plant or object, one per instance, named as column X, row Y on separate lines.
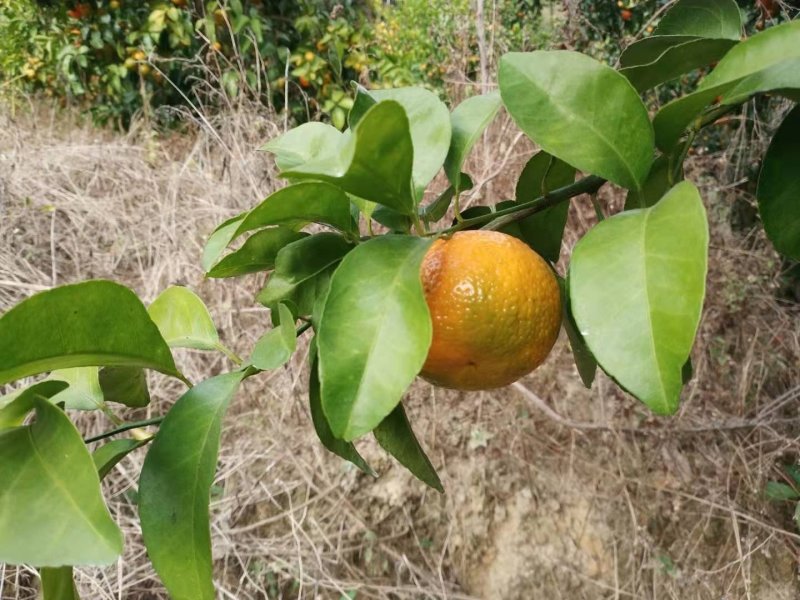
column 126, row 427
column 501, row 218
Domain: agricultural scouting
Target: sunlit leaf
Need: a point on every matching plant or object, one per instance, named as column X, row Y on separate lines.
column 374, row 162
column 183, row 319
column 374, row 333
column 345, row 450
column 57, row 584
column 51, row 510
column 174, row 488
column 429, row 121
column 13, row 413
column 219, row 240
column 87, row 324
column 277, row 345
column 303, row 143
column 84, row 391
column 758, row 53
column 719, row 19
column 637, row 283
column 553, row 97
column 469, row 120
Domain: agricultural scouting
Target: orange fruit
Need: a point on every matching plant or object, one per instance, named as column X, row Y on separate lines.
column 626, row 15
column 495, row 307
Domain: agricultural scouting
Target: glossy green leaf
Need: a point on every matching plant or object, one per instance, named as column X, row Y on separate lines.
column 51, row 510
column 779, row 187
column 13, row 413
column 758, row 53
column 107, row 456
column 183, row 319
column 654, row 60
column 544, row 230
column 277, row 345
column 309, row 201
column 780, row 492
column 257, row 253
column 303, row 143
column 345, row 450
column 374, row 333
column 783, row 77
column 174, row 488
column 374, row 162
column 637, row 283
column 362, row 103
column 84, row 391
column 301, row 261
column 429, row 121
column 125, row 385
column 468, row 121
column 702, row 18
column 552, row 96
column 57, row 584
column 584, row 361
column 657, row 184
column 86, row 324
column 219, row 240
column 438, row 208
column 395, row 435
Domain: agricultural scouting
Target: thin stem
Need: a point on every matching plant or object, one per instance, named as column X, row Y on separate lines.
column 302, row 329
column 598, row 210
column 125, row 427
column 232, row 356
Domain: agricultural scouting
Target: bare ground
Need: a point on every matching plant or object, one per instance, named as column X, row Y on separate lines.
column 553, row 491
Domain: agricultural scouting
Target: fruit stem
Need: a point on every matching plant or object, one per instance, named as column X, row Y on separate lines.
column 501, row 218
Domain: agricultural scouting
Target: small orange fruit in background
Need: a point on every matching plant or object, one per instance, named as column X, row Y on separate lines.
column 495, row 307
column 626, row 15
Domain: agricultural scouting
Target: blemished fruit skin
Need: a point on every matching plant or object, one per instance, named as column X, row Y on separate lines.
column 495, row 307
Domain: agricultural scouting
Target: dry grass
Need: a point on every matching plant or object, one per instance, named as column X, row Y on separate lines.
column 596, row 500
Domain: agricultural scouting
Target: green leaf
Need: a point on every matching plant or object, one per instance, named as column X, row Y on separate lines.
column 702, row 18
column 51, row 511
column 183, row 319
column 362, row 103
column 125, row 385
column 637, row 282
column 395, row 435
column 758, row 53
column 86, row 324
column 654, row 60
column 584, row 361
column 468, row 121
column 84, row 391
column 429, row 121
column 777, row 491
column 657, row 184
column 303, row 143
column 300, row 262
column 345, row 450
column 374, row 333
column 310, row 201
column 219, row 240
column 57, row 584
column 14, row 412
column 438, row 208
column 782, row 78
column 107, row 456
column 543, row 231
column 257, row 253
column 779, row 187
column 174, row 488
column 276, row 346
column 552, row 96
column 374, row 162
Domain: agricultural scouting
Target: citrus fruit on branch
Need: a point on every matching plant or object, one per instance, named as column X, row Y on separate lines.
column 495, row 307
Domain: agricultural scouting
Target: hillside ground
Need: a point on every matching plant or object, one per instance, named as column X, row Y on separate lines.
column 552, row 490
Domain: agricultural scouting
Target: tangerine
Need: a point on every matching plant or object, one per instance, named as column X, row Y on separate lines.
column 495, row 307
